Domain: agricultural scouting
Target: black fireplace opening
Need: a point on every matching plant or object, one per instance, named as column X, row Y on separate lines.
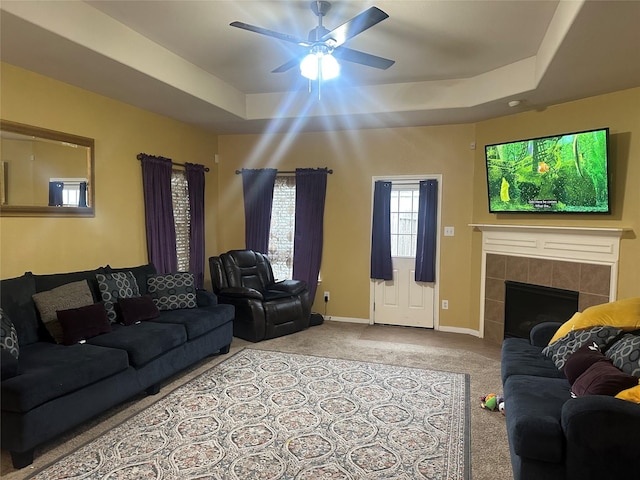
column 527, row 305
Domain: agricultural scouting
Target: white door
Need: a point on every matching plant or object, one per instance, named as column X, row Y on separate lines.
column 403, row 301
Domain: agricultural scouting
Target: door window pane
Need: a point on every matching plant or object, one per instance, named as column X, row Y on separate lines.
column 404, row 220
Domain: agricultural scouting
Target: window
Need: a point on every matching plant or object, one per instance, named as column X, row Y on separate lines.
column 404, row 220
column 70, row 190
column 181, row 217
column 281, row 231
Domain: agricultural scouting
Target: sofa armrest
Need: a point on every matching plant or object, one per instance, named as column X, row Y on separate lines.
column 241, row 292
column 205, row 298
column 602, row 437
column 542, row 333
column 293, row 287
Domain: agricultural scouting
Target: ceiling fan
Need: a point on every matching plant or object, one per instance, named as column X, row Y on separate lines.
column 323, row 45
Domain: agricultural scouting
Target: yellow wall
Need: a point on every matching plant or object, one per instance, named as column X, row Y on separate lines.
column 620, row 111
column 116, row 235
column 355, row 157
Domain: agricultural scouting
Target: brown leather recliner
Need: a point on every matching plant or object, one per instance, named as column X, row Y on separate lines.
column 264, row 308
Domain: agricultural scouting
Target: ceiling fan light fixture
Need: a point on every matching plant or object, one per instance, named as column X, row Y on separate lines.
column 330, row 67
column 319, row 64
column 309, row 66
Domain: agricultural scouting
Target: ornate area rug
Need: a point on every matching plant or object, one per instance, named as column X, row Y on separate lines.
column 263, row 415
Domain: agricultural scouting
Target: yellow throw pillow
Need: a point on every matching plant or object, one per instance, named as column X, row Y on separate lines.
column 624, row 314
column 630, row 394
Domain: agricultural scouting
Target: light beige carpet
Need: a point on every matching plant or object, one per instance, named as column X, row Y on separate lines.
column 391, row 345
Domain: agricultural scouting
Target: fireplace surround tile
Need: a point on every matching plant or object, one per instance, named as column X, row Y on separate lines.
column 540, row 271
column 517, row 269
column 566, row 275
column 496, row 266
column 595, row 279
column 495, row 289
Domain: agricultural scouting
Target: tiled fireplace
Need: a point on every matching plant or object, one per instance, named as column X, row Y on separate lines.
column 580, row 259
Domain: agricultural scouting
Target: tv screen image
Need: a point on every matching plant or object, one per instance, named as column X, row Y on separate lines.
column 566, row 173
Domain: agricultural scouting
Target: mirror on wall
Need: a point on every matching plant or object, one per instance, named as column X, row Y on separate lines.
column 45, row 173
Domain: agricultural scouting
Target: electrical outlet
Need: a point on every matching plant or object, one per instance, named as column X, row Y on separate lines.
column 449, row 231
column 445, row 304
column 326, row 296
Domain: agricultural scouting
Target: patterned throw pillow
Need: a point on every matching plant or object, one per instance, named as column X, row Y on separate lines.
column 8, row 335
column 560, row 350
column 114, row 286
column 70, row 295
column 625, row 354
column 172, row 291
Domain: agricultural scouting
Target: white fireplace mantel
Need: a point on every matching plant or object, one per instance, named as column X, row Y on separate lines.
column 571, row 244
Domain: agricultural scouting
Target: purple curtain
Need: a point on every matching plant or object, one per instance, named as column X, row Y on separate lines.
column 195, row 182
column 427, row 231
column 257, row 186
column 381, row 267
column 158, row 206
column 55, row 194
column 311, row 190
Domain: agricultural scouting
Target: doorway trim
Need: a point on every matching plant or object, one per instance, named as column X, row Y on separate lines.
column 411, row 180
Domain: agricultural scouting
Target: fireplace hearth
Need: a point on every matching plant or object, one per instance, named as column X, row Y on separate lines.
column 527, row 305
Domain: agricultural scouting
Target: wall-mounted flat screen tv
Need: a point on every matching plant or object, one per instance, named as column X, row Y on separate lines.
column 565, row 173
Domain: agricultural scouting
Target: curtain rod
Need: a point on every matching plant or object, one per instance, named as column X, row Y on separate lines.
column 141, row 155
column 329, row 171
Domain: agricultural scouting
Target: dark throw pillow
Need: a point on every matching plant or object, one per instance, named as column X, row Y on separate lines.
column 79, row 324
column 625, row 354
column 172, row 291
column 602, row 378
column 136, row 309
column 560, row 350
column 8, row 335
column 581, row 360
column 114, row 286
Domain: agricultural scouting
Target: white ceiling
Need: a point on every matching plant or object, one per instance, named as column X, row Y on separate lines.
column 456, row 61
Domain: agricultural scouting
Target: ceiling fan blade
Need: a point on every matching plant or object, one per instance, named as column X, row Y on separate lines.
column 362, row 58
column 271, row 33
column 294, row 62
column 356, row 25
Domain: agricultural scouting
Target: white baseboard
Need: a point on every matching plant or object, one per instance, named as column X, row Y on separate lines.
column 466, row 331
column 347, row 319
column 441, row 328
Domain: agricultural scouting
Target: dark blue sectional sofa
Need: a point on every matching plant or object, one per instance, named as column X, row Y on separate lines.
column 553, row 436
column 51, row 388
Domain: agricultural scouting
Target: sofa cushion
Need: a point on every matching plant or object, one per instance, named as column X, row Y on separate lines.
column 200, row 320
column 79, row 324
column 48, row 371
column 602, row 378
column 114, row 286
column 560, row 350
column 136, row 309
column 519, row 357
column 534, row 411
column 630, row 394
column 143, row 341
column 51, row 281
column 625, row 354
column 581, row 360
column 16, row 301
column 70, row 295
column 8, row 335
column 173, row 291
